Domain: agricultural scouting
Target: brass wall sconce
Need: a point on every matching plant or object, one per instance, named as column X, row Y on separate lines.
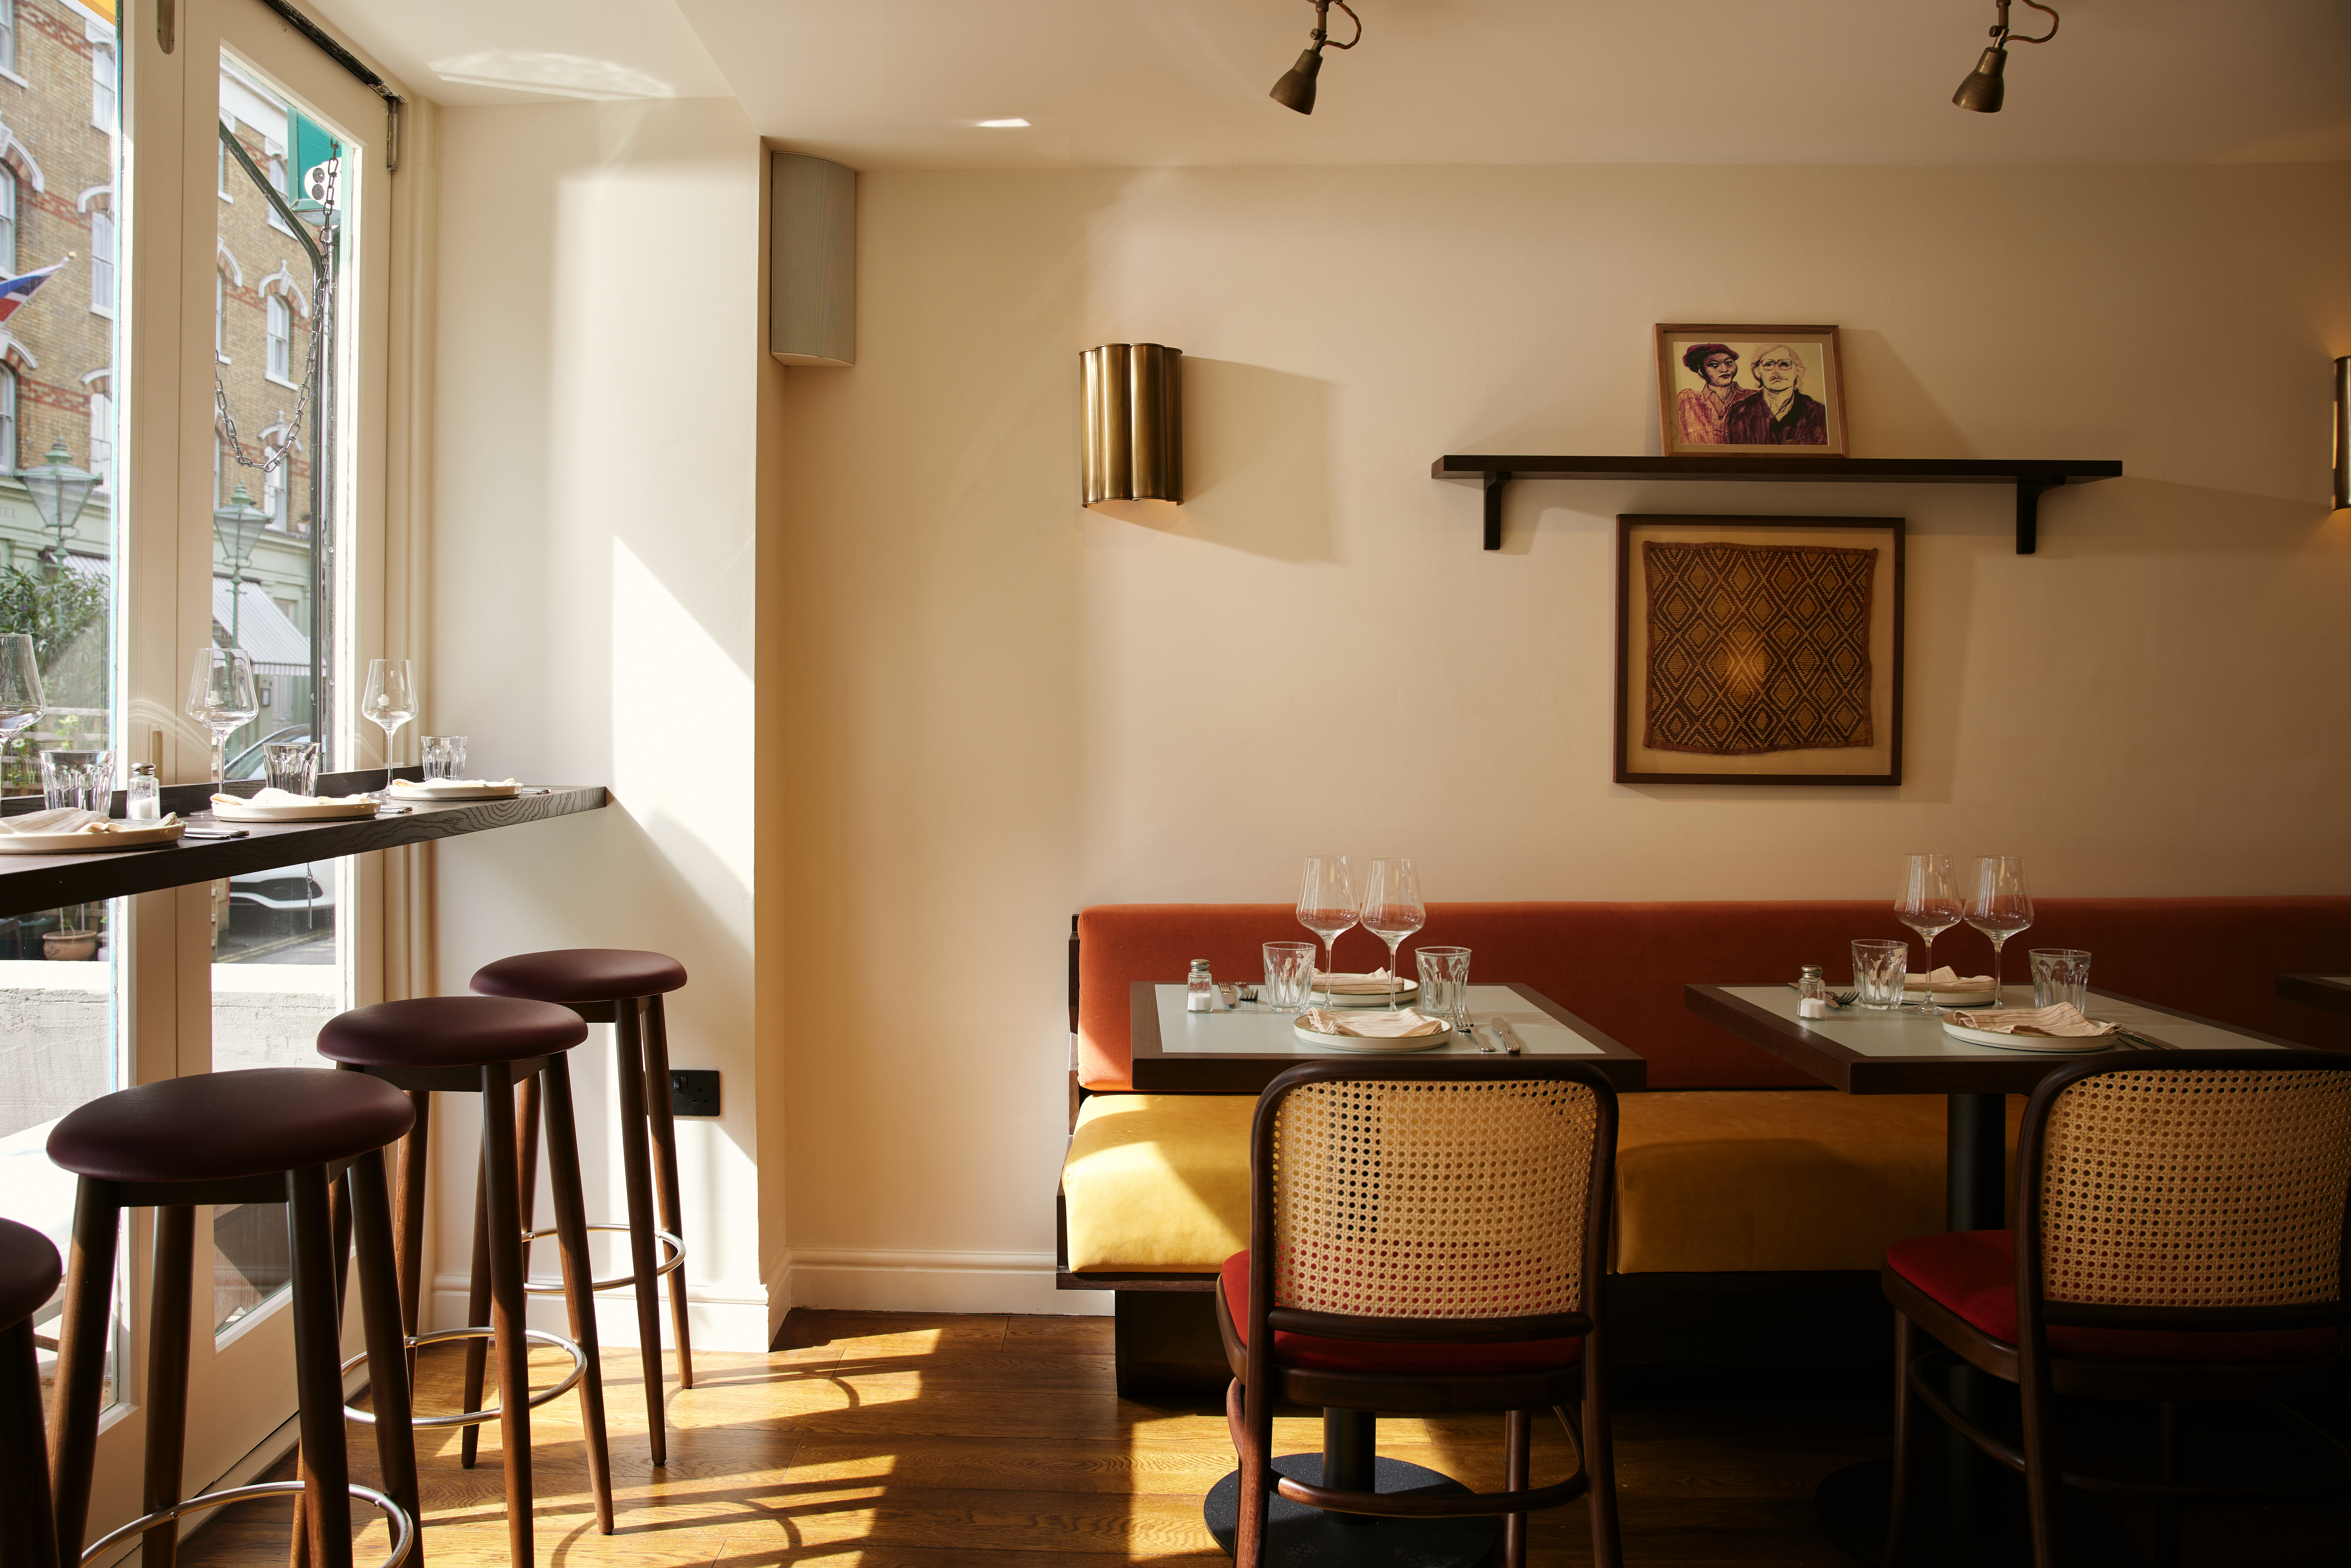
column 2342, row 432
column 1296, row 87
column 1134, row 404
column 1985, row 86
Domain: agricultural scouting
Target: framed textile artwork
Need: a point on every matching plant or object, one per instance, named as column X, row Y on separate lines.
column 1759, row 650
column 1753, row 391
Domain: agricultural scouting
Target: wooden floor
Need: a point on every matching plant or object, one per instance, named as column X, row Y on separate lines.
column 906, row 1441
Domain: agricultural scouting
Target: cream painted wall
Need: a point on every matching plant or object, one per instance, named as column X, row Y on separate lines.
column 593, row 614
column 1003, row 707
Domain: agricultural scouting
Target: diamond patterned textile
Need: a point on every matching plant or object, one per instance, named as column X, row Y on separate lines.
column 1758, row 648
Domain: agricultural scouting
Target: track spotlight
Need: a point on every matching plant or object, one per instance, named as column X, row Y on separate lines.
column 1986, row 86
column 1296, row 87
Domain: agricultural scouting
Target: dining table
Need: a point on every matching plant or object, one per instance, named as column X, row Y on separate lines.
column 2331, row 992
column 1863, row 1050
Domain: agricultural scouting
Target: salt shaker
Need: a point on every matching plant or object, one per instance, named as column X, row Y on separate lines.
column 1812, row 995
column 1200, row 989
column 142, row 798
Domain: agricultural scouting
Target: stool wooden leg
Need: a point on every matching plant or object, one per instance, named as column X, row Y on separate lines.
column 408, row 1221
column 665, row 1169
column 505, row 1220
column 81, row 1358
column 630, row 1052
column 389, row 1393
column 169, row 1324
column 477, row 1305
column 318, row 1368
column 578, row 1271
column 527, row 1156
column 28, row 1529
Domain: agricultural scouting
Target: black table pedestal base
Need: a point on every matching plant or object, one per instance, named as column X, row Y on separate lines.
column 1853, row 1503
column 1297, row 1536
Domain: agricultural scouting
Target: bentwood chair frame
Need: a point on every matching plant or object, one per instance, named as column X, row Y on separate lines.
column 2042, row 1375
column 1578, row 1394
column 29, row 1529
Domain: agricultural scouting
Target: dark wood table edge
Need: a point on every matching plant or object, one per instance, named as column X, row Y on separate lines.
column 1626, row 1069
column 2324, row 991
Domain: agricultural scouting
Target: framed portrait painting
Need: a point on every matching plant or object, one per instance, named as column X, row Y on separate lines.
column 1750, row 391
column 1759, row 650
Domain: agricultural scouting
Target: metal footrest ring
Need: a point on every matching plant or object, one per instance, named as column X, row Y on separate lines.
column 404, row 1529
column 676, row 1245
column 476, row 1417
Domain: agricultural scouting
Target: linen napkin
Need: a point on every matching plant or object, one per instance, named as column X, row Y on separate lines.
column 271, row 795
column 1946, row 979
column 2063, row 1019
column 1404, row 1025
column 1378, row 983
column 72, row 819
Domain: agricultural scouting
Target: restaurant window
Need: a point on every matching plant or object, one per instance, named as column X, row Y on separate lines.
column 7, row 222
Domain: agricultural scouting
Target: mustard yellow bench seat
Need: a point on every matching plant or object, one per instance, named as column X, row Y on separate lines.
column 1706, row 1180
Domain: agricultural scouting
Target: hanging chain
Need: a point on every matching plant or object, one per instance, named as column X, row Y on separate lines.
column 273, row 458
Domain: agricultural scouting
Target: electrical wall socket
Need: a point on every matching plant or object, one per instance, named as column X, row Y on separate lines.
column 693, row 1093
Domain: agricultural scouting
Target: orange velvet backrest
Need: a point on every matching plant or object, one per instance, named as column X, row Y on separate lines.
column 1622, row 967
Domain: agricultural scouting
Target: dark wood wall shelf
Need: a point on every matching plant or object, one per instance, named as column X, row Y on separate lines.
column 2030, row 475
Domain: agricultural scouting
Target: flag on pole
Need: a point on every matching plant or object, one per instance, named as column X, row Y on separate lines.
column 16, row 291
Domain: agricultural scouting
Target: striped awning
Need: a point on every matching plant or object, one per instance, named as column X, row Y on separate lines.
column 262, row 629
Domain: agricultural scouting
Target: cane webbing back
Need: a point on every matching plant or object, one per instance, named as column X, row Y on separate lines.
column 1432, row 1200
column 2197, row 1189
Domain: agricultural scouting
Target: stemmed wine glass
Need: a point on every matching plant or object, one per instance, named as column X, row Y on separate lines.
column 390, row 702
column 2002, row 907
column 1326, row 906
column 1392, row 910
column 22, row 702
column 221, row 697
column 1928, row 905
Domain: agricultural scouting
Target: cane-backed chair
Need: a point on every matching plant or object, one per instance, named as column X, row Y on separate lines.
column 1437, row 1235
column 2180, row 1233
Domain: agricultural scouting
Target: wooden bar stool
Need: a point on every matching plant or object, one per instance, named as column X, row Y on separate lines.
column 271, row 1134
column 624, row 989
column 487, row 1046
column 28, row 1277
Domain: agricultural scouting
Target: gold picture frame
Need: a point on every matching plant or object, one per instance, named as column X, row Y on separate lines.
column 1749, row 391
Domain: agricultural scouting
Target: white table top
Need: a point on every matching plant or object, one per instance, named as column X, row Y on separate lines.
column 1251, row 1029
column 1866, row 1032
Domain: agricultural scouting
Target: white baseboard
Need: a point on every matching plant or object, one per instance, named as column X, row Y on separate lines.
column 878, row 1280
column 720, row 1316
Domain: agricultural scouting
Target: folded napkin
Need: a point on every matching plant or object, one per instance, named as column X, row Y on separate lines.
column 73, row 820
column 273, row 796
column 430, row 785
column 2063, row 1019
column 1403, row 1025
column 1378, row 983
column 1946, row 979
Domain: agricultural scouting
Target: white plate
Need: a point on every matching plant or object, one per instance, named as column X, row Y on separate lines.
column 2047, row 1044
column 318, row 811
column 1405, row 991
column 84, row 843
column 1367, row 1042
column 408, row 790
column 1946, row 996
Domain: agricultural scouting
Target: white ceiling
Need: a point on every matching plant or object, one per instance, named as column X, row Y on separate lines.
column 900, row 83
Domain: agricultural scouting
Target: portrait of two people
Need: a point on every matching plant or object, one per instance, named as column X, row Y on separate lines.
column 1775, row 411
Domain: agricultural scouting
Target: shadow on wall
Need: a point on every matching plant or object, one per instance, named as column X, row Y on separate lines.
column 1257, row 463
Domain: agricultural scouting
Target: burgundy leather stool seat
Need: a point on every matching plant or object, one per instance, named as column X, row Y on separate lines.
column 581, row 975
column 28, row 1277
column 624, row 987
column 449, row 1032
column 216, row 1126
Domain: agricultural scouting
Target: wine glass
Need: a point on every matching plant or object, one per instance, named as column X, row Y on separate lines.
column 1392, row 910
column 1326, row 906
column 2002, row 907
column 1928, row 905
column 221, row 697
column 22, row 702
column 390, row 702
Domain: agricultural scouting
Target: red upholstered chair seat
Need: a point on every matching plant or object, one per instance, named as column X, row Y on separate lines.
column 1973, row 1273
column 1391, row 1356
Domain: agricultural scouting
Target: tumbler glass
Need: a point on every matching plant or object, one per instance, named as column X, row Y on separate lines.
column 2060, row 975
column 1444, row 985
column 1879, row 971
column 445, row 757
column 84, row 780
column 291, row 765
column 1288, row 975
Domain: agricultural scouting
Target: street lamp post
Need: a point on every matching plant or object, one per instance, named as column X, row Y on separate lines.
column 59, row 491
column 238, row 525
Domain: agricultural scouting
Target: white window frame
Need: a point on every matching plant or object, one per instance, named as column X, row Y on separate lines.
column 105, row 286
column 278, row 312
column 8, row 42
column 102, row 426
column 9, row 194
column 7, row 419
column 105, row 102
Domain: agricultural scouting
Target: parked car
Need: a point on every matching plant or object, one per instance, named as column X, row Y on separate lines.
column 283, row 901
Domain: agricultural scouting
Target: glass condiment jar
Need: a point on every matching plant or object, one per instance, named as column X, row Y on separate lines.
column 142, row 798
column 1200, row 989
column 1811, row 994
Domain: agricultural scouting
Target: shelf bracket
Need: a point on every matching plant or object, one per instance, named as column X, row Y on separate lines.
column 1497, row 480
column 2028, row 511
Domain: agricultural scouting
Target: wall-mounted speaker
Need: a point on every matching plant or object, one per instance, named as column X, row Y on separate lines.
column 811, row 260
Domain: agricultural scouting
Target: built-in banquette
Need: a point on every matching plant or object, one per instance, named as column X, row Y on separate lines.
column 1732, row 1165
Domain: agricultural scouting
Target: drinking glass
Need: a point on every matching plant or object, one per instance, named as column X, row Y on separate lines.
column 1392, row 910
column 291, row 765
column 1288, row 975
column 21, row 700
column 1928, row 905
column 1444, row 985
column 1326, row 906
column 2059, row 975
column 1879, row 969
column 82, row 779
column 2002, row 907
column 390, row 702
column 445, row 756
column 221, row 697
